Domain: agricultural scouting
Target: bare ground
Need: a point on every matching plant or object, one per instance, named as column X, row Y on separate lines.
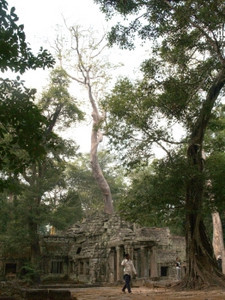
column 144, row 293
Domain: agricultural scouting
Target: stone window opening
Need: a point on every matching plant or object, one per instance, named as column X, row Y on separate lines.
column 164, row 271
column 10, row 268
column 79, row 250
column 57, row 267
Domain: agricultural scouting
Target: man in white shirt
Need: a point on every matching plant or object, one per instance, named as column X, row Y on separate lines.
column 178, row 268
column 128, row 270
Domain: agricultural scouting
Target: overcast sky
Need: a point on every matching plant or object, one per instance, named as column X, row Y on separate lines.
column 40, row 19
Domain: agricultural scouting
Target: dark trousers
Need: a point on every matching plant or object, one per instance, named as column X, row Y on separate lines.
column 127, row 278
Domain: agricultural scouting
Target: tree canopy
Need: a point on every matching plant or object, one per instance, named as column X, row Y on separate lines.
column 185, row 60
column 86, row 65
column 41, row 196
column 21, row 121
column 15, row 53
column 183, row 80
column 22, row 126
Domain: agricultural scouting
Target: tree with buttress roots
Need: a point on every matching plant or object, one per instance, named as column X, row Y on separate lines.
column 183, row 81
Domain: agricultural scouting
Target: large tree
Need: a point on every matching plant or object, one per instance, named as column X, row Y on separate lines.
column 182, row 81
column 20, row 120
column 40, row 195
column 87, row 66
column 46, row 175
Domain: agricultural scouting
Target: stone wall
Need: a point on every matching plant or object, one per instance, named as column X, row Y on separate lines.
column 93, row 250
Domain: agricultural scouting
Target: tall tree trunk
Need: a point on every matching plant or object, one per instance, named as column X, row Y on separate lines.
column 35, row 252
column 33, row 217
column 90, row 70
column 218, row 244
column 96, row 138
column 34, row 243
column 202, row 267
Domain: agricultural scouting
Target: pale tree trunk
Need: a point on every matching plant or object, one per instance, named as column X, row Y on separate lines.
column 96, row 138
column 218, row 244
column 91, row 69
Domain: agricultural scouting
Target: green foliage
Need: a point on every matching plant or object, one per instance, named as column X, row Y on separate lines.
column 136, row 120
column 182, row 82
column 156, row 196
column 215, row 137
column 21, row 122
column 14, row 234
column 57, row 102
column 15, row 53
column 40, row 196
column 21, row 127
column 123, row 7
column 215, row 159
column 186, row 58
column 29, row 273
column 216, row 173
column 156, row 19
column 47, row 192
column 81, row 178
column 68, row 211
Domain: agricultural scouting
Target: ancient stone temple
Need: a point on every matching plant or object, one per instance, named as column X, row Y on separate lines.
column 92, row 251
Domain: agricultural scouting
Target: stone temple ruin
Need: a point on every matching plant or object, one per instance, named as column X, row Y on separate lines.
column 91, row 252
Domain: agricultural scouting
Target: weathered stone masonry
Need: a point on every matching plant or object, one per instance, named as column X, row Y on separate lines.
column 92, row 251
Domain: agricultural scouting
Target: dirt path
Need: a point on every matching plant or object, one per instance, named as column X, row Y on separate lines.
column 142, row 293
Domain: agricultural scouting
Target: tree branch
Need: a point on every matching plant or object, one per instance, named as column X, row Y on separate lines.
column 201, row 123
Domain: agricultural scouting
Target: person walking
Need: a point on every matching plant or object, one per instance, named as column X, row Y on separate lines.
column 128, row 271
column 178, row 268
